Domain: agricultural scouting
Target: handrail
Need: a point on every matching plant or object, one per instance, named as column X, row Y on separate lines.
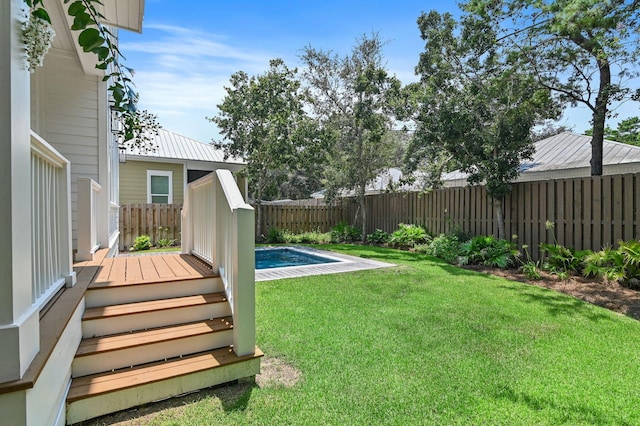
column 217, row 226
column 51, row 261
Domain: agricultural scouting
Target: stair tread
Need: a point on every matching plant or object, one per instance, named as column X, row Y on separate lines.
column 146, row 281
column 152, row 305
column 103, row 344
column 98, row 384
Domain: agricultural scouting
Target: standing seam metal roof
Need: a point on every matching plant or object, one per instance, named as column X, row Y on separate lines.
column 171, row 145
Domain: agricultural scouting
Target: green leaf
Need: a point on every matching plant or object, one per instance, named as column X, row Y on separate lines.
column 102, row 52
column 76, row 8
column 42, row 14
column 90, row 39
column 81, row 21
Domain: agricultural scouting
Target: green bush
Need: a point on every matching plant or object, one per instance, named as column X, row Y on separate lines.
column 558, row 258
column 165, row 242
column 489, row 251
column 622, row 265
column 143, row 242
column 378, row 237
column 446, row 247
column 315, row 237
column 408, row 236
column 275, row 236
column 344, row 233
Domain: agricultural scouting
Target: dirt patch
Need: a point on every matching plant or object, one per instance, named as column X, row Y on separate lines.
column 607, row 294
column 274, row 372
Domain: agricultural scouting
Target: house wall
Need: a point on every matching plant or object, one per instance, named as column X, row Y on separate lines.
column 133, row 180
column 68, row 113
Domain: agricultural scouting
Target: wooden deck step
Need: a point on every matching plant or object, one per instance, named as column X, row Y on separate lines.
column 118, row 293
column 108, row 353
column 128, row 340
column 99, row 394
column 114, row 319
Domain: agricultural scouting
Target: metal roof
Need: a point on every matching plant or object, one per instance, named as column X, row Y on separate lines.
column 172, row 146
column 566, row 151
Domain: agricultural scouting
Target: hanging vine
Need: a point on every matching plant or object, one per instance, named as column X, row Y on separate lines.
column 138, row 127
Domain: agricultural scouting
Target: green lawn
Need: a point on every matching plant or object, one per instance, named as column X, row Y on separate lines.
column 428, row 343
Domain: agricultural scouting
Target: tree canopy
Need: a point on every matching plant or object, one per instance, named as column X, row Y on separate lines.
column 263, row 121
column 476, row 105
column 627, row 131
column 351, row 99
column 582, row 50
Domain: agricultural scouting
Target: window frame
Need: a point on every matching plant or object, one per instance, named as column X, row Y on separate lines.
column 167, row 173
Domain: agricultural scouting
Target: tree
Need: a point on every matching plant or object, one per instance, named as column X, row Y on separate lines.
column 476, row 106
column 573, row 47
column 263, row 120
column 351, row 98
column 628, row 131
column 549, row 129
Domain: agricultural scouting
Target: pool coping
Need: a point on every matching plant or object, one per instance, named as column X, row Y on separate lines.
column 346, row 263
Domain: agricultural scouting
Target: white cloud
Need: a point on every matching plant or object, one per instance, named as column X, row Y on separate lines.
column 181, row 74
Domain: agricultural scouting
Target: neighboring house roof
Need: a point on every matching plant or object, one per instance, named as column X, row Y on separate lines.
column 564, row 155
column 172, row 146
column 569, row 155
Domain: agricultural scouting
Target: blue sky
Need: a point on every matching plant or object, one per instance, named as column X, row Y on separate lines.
column 189, row 49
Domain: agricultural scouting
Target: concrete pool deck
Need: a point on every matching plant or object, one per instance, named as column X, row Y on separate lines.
column 346, row 263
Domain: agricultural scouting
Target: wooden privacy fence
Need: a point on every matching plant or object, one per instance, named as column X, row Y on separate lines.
column 147, row 219
column 587, row 213
column 300, row 218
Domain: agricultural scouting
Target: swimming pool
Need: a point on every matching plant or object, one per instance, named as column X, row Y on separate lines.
column 280, row 257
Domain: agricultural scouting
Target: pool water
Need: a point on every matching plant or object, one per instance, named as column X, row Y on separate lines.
column 280, row 257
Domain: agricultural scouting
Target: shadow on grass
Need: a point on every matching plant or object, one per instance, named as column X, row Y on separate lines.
column 558, row 304
column 571, row 413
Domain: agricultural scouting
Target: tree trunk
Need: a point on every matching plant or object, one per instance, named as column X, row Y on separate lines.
column 363, row 211
column 363, row 207
column 595, row 49
column 599, row 117
column 497, row 202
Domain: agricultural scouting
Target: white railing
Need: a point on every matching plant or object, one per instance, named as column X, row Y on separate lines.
column 218, row 226
column 51, row 263
column 88, row 243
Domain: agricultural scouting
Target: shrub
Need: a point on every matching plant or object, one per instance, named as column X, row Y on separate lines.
column 165, row 242
column 489, row 251
column 378, row 237
column 622, row 265
column 275, row 236
column 530, row 268
column 446, row 247
column 143, row 242
column 457, row 231
column 344, row 233
column 315, row 237
column 408, row 236
column 558, row 258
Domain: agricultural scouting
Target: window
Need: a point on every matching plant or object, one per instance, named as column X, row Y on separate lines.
column 159, row 186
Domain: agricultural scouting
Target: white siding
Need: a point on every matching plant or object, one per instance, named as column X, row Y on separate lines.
column 69, row 113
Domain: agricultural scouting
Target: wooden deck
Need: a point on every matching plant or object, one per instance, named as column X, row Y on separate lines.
column 103, row 272
column 130, row 270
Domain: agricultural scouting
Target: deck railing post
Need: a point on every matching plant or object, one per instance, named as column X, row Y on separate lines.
column 244, row 337
column 88, row 190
